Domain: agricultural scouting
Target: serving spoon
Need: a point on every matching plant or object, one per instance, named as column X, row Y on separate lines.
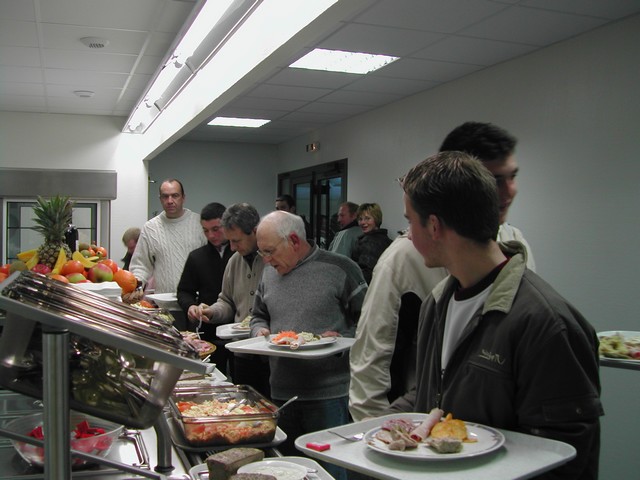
column 291, row 400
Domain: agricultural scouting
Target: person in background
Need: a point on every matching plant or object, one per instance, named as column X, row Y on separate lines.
column 288, row 204
column 239, row 285
column 166, row 240
column 347, row 237
column 201, row 279
column 129, row 239
column 383, row 356
column 306, row 289
column 497, row 344
column 495, row 148
column 373, row 239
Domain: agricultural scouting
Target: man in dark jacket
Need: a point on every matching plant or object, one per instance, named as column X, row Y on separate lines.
column 496, row 344
column 201, row 279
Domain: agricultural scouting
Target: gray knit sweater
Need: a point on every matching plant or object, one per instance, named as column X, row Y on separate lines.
column 323, row 292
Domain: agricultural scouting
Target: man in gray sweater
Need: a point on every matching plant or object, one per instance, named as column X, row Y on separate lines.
column 306, row 289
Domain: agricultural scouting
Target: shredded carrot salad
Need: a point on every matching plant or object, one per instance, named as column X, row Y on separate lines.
column 285, row 334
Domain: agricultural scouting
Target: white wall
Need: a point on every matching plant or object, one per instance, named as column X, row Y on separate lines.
column 87, row 142
column 576, row 112
column 227, row 173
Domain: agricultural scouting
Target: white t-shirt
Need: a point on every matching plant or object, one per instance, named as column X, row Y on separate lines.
column 459, row 313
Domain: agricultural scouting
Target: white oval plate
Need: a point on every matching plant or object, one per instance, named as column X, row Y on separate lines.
column 238, row 326
column 626, row 334
column 488, row 440
column 323, row 342
column 280, row 469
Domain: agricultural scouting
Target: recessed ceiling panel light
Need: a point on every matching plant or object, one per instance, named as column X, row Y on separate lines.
column 339, row 61
column 238, row 122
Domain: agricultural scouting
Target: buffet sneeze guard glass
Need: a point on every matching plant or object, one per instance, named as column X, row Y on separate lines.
column 57, row 338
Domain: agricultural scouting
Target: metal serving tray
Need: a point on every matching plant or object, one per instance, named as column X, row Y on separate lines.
column 133, row 358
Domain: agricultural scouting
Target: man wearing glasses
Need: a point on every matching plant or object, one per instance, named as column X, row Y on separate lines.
column 166, row 240
column 306, row 289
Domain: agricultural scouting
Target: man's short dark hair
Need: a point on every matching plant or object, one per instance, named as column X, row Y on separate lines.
column 212, row 211
column 485, row 141
column 287, row 198
column 459, row 190
column 352, row 207
column 242, row 216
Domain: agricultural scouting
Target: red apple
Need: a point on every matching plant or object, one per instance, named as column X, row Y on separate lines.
column 76, row 278
column 41, row 268
column 100, row 273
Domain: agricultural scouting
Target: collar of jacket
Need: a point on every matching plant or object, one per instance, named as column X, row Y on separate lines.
column 505, row 286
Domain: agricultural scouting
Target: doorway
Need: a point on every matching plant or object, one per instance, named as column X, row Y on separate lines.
column 318, row 192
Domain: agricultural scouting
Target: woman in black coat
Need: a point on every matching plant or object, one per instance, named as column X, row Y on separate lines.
column 373, row 241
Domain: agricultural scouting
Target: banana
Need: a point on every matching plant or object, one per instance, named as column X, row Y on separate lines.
column 32, row 262
column 86, row 263
column 62, row 258
column 27, row 254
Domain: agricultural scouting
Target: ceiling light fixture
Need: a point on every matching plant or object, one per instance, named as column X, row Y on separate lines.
column 212, row 22
column 340, row 61
column 84, row 93
column 238, row 122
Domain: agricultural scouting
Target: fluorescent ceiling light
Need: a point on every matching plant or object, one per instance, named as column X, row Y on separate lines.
column 339, row 61
column 238, row 122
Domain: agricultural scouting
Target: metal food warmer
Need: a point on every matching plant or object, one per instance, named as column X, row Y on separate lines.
column 75, row 349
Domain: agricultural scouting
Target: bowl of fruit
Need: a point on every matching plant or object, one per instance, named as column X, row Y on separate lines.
column 87, row 434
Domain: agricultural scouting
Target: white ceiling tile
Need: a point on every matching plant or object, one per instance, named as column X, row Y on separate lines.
column 360, row 98
column 125, row 14
column 159, row 43
column 30, row 103
column 312, row 117
column 148, row 65
column 99, row 62
column 610, row 9
column 18, row 34
column 14, row 88
column 20, row 74
column 311, row 78
column 397, row 86
column 17, row 10
column 67, row 37
column 430, row 70
column 380, row 40
column 343, row 109
column 531, row 26
column 267, row 103
column 80, row 78
column 20, row 56
column 476, row 51
column 289, row 93
column 444, row 16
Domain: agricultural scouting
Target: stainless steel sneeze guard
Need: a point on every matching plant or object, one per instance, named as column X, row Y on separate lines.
column 34, row 301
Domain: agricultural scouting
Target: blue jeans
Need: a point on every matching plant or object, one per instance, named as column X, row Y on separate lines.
column 306, row 416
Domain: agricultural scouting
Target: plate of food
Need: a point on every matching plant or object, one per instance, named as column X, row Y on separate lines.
column 619, row 345
column 299, row 340
column 203, row 347
column 430, row 437
column 244, row 325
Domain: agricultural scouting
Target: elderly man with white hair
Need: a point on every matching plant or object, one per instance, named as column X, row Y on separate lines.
column 306, row 289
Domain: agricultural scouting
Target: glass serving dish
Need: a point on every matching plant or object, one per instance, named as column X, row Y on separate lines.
column 96, row 444
column 223, row 415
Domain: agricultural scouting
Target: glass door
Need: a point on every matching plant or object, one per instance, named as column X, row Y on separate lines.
column 318, row 192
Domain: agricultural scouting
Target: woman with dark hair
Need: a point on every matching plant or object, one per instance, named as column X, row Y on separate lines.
column 373, row 241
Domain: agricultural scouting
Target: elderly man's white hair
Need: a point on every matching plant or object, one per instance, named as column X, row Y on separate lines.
column 285, row 223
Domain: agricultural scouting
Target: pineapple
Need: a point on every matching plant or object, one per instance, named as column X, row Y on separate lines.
column 52, row 219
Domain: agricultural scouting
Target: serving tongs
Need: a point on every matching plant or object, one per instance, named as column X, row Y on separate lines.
column 91, row 308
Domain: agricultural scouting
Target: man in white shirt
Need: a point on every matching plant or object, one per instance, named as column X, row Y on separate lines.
column 166, row 240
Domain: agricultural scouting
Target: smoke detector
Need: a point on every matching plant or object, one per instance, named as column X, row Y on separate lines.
column 84, row 93
column 95, row 42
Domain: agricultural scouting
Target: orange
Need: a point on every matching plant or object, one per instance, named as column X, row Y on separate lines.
column 126, row 280
column 72, row 266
